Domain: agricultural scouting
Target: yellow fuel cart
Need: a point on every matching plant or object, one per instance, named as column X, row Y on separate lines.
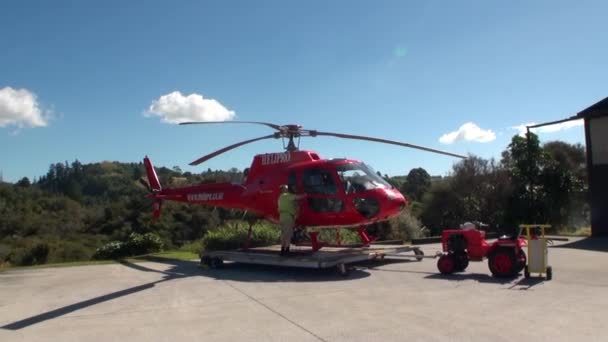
column 538, row 256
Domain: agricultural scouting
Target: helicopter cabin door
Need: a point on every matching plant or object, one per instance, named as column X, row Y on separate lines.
column 322, row 198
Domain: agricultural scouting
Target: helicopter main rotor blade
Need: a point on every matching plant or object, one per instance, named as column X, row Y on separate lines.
column 228, row 148
column 273, row 126
column 392, row 142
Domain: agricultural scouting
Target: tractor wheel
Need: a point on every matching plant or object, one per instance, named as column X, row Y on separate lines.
column 216, row 263
column 502, row 262
column 549, row 272
column 526, row 272
column 206, row 260
column 446, row 264
column 462, row 261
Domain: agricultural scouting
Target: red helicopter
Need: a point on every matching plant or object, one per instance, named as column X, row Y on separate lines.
column 340, row 193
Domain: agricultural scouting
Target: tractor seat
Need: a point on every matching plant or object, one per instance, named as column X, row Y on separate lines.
column 514, row 235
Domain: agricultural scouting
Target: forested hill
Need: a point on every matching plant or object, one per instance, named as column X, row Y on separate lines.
column 75, row 208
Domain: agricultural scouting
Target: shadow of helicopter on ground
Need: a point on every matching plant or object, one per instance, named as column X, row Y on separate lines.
column 456, row 277
column 183, row 269
column 515, row 282
column 596, row 244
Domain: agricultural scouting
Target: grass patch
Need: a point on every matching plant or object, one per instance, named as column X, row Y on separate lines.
column 170, row 255
column 59, row 264
column 174, row 255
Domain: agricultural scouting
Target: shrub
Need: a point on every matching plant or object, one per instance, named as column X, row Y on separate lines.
column 330, row 236
column 65, row 251
column 405, row 227
column 111, row 250
column 234, row 236
column 5, row 252
column 193, row 247
column 30, row 255
column 137, row 244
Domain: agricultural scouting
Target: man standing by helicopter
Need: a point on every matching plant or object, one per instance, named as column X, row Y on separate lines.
column 288, row 207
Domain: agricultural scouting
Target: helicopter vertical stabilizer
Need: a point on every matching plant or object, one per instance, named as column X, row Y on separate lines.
column 154, row 187
column 152, row 177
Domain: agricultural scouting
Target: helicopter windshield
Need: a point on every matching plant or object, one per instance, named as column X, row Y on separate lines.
column 359, row 177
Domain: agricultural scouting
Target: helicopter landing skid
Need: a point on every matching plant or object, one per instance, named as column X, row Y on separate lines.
column 314, row 240
column 364, row 237
column 316, row 244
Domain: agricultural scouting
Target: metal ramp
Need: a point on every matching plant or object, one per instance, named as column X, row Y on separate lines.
column 327, row 257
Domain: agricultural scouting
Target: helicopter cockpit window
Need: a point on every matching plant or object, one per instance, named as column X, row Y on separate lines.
column 359, row 177
column 319, row 181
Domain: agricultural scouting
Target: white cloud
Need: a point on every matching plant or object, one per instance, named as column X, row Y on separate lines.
column 20, row 107
column 175, row 108
column 468, row 132
column 548, row 129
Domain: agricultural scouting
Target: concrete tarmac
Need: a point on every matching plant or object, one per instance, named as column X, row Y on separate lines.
column 379, row 301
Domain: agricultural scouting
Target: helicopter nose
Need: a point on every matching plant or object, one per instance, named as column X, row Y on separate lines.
column 396, row 201
column 401, row 205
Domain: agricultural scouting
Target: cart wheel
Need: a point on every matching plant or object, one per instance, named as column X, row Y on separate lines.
column 419, row 254
column 549, row 272
column 446, row 264
column 206, row 260
column 502, row 263
column 343, row 270
column 526, row 272
column 216, row 262
column 521, row 261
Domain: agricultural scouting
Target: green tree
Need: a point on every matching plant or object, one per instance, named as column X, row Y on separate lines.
column 524, row 159
column 24, row 182
column 417, row 182
column 564, row 178
column 441, row 208
column 548, row 181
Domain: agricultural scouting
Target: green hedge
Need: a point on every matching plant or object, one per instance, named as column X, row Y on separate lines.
column 234, row 235
column 36, row 254
column 136, row 244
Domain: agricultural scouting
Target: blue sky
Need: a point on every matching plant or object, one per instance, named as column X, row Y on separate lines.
column 93, row 80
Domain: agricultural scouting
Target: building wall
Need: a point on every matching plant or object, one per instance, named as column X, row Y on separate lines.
column 596, row 130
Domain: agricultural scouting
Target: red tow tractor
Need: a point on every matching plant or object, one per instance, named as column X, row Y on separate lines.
column 506, row 257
